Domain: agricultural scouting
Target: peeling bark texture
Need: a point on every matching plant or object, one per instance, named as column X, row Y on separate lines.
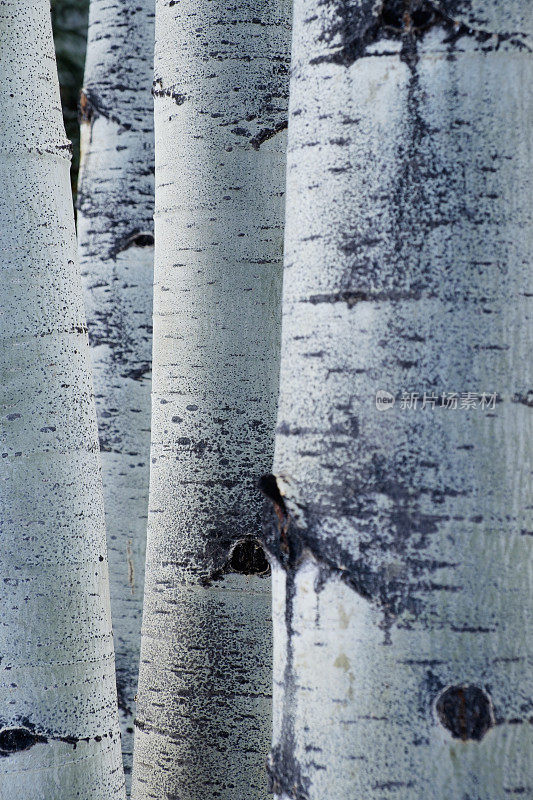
column 400, row 537
column 115, row 232
column 220, row 89
column 59, row 732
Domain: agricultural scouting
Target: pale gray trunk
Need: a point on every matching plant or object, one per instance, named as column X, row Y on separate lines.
column 204, row 709
column 115, row 232
column 59, row 732
column 402, row 581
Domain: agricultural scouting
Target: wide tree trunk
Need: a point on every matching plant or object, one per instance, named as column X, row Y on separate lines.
column 115, row 231
column 400, row 535
column 221, row 85
column 59, row 732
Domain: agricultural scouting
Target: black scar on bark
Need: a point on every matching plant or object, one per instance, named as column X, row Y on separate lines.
column 158, row 91
column 285, row 773
column 268, row 133
column 21, row 734
column 395, row 20
column 465, row 711
column 139, row 372
column 233, row 534
column 16, row 739
column 135, row 239
column 524, row 399
column 92, row 104
column 351, row 298
column 124, row 681
column 287, row 541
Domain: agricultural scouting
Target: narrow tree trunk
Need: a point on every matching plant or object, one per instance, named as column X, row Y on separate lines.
column 221, row 81
column 115, row 230
column 401, row 584
column 59, row 733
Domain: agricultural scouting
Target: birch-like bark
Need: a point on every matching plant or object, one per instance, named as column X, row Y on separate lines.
column 204, row 708
column 402, row 578
column 59, row 732
column 115, row 232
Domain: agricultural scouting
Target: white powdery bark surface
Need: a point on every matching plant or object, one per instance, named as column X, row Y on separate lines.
column 59, row 733
column 221, row 83
column 402, row 591
column 115, row 233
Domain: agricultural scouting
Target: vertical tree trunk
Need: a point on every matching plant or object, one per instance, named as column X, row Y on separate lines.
column 115, row 227
column 221, row 82
column 59, row 734
column 401, row 584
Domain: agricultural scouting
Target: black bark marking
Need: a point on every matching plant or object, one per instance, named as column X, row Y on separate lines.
column 248, row 558
column 20, row 734
column 158, row 91
column 350, row 298
column 137, row 373
column 17, row 739
column 287, row 541
column 357, row 28
column 237, row 522
column 397, row 15
column 524, row 399
column 283, row 768
column 92, row 105
column 124, row 682
column 466, row 711
column 395, row 20
column 268, row 133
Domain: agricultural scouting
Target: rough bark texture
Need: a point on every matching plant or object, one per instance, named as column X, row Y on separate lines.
column 221, row 85
column 401, row 536
column 115, row 231
column 59, row 733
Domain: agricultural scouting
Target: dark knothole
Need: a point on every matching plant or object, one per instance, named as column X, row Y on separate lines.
column 466, row 711
column 248, row 558
column 143, row 240
column 14, row 740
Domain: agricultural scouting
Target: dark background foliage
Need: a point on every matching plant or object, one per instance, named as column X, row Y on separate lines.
column 69, row 22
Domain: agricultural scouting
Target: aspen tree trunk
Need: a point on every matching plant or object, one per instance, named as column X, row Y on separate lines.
column 204, row 708
column 402, row 578
column 115, row 232
column 59, row 733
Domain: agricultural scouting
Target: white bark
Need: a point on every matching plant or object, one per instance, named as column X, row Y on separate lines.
column 402, row 584
column 221, row 81
column 59, row 733
column 115, row 232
